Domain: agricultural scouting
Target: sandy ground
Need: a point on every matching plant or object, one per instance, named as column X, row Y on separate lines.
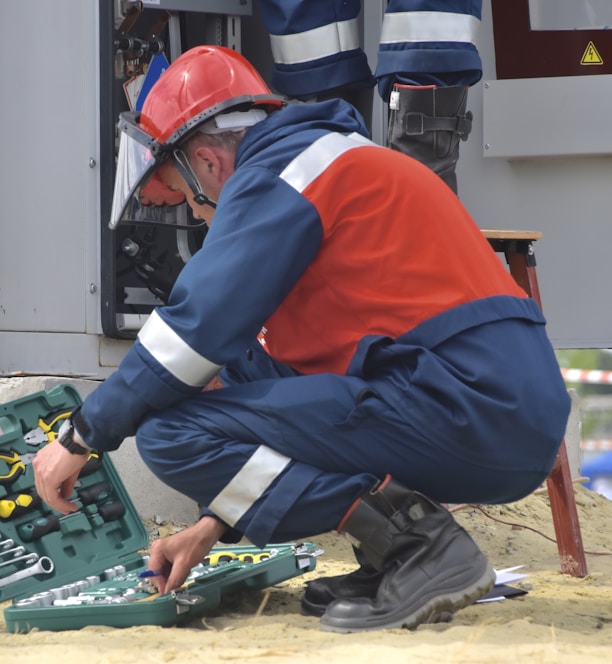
column 561, row 618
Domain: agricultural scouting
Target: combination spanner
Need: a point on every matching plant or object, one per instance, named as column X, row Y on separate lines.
column 27, row 559
column 15, row 551
column 44, row 565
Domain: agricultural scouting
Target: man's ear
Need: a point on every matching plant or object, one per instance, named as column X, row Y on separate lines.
column 215, row 162
column 208, row 159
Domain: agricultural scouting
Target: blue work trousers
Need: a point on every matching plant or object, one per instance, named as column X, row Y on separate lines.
column 423, row 42
column 479, row 418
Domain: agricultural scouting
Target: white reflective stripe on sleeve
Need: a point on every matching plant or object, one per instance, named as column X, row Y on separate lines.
column 316, row 43
column 429, row 27
column 249, row 484
column 174, row 354
column 310, row 163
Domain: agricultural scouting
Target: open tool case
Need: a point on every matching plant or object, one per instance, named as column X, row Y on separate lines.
column 67, row 572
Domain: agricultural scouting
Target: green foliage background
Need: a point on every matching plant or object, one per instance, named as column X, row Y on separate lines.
column 595, row 424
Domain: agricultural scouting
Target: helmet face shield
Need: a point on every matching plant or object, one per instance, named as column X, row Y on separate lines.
column 140, row 196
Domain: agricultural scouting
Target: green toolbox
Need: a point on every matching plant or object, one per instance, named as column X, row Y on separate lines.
column 66, row 572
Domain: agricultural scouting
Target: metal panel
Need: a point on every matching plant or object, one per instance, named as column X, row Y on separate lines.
column 535, row 117
column 48, row 186
column 59, row 354
column 373, row 13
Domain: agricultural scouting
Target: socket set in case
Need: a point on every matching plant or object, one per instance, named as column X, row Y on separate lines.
column 90, row 567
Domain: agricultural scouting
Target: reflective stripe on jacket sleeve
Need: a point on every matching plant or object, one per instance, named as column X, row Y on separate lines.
column 174, row 354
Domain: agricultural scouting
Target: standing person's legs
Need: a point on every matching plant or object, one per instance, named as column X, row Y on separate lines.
column 316, row 46
column 427, row 61
column 317, row 52
column 428, row 123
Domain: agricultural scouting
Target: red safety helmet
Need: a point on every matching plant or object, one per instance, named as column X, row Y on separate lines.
column 201, row 84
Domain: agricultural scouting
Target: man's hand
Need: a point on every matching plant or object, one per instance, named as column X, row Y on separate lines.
column 55, row 474
column 173, row 557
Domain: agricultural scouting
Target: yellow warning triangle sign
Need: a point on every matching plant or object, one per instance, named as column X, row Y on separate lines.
column 591, row 56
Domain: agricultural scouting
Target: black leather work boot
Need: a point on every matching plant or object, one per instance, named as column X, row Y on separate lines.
column 431, row 566
column 363, row 582
column 427, row 123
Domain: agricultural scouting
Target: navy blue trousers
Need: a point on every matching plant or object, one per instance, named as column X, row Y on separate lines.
column 477, row 419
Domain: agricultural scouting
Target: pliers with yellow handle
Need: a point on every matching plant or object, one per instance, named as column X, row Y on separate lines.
column 46, row 431
column 16, row 464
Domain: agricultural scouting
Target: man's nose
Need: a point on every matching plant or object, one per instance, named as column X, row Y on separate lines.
column 196, row 211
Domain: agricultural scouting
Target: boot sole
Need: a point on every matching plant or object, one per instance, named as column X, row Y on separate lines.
column 317, row 610
column 310, row 609
column 434, row 608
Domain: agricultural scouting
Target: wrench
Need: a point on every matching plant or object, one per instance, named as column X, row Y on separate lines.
column 44, row 565
column 27, row 559
column 15, row 551
column 6, row 544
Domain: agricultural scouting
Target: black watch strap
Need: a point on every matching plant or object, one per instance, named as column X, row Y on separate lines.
column 66, row 438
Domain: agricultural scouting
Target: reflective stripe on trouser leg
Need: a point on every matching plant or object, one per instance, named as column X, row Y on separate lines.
column 315, row 49
column 254, row 489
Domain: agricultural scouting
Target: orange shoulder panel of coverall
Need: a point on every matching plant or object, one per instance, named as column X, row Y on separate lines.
column 398, row 247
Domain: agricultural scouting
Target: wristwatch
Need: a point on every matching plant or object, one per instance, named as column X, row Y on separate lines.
column 65, row 438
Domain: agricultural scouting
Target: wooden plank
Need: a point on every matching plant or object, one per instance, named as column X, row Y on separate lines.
column 495, row 234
